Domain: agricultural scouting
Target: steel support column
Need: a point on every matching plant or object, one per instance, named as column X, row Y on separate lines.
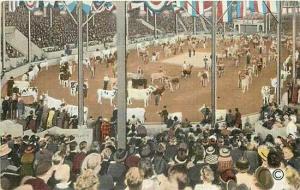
column 155, row 29
column 80, row 67
column 213, row 66
column 29, row 37
column 3, row 45
column 87, row 34
column 294, row 43
column 279, row 25
column 121, row 68
column 176, row 24
column 194, row 25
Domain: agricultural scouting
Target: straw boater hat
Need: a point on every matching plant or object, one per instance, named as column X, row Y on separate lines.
column 242, row 165
column 210, row 150
column 264, row 178
column 120, row 155
column 4, row 150
column 263, row 152
column 224, row 152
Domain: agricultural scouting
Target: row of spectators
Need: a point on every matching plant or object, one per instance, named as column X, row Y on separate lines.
column 12, row 52
column 180, row 157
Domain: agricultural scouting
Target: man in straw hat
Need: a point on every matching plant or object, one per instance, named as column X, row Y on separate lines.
column 242, row 167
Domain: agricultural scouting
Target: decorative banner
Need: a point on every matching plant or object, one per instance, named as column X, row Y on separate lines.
column 32, row 5
column 156, row 6
column 12, row 5
column 86, row 6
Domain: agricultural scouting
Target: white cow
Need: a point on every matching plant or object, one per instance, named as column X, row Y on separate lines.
column 44, row 64
column 106, row 94
column 139, row 113
column 177, row 114
column 31, row 75
column 266, row 92
column 51, row 102
column 21, row 85
column 245, row 83
column 35, row 71
column 140, row 94
column 285, row 74
column 73, row 110
column 157, row 76
column 31, row 91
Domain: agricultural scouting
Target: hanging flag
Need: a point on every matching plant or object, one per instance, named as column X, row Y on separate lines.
column 156, row 6
column 177, row 5
column 32, row 5
column 220, row 9
column 273, row 6
column 191, row 7
column 239, row 9
column 12, row 5
column 71, row 5
column 86, row 6
column 227, row 11
column 109, row 6
column 98, row 6
column 261, row 6
column 49, row 3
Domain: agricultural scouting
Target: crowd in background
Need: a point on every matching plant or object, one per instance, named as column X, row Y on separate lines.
column 183, row 156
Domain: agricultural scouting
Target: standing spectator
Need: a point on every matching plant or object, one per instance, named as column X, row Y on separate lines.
column 20, row 108
column 134, row 179
column 43, row 172
column 207, row 176
column 243, row 177
column 78, row 158
column 5, row 107
column 229, row 119
column 105, row 129
column 224, row 160
column 105, row 80
column 164, row 114
column 10, row 84
column 27, row 161
column 87, row 180
column 238, row 118
column 63, row 176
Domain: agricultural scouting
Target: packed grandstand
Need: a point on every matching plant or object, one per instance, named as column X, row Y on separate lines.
column 170, row 140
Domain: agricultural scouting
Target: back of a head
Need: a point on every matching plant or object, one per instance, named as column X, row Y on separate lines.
column 63, row 173
column 274, row 159
column 264, row 178
column 134, row 178
column 87, row 181
column 42, row 168
column 146, row 166
column 82, row 145
column 207, row 174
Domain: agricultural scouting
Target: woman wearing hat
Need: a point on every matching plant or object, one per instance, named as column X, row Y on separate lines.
column 224, row 160
column 207, row 176
column 27, row 161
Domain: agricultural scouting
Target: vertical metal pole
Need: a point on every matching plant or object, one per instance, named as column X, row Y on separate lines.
column 176, row 24
column 279, row 54
column 265, row 23
column 269, row 22
column 294, row 43
column 155, row 32
column 93, row 20
column 194, row 25
column 87, row 34
column 224, row 28
column 147, row 16
column 3, row 36
column 213, row 66
column 121, row 66
column 51, row 17
column 29, row 36
column 80, row 66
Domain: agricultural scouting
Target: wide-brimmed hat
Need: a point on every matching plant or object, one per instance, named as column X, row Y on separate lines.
column 105, row 119
column 29, row 149
column 210, row 150
column 224, row 152
column 145, row 151
column 4, row 150
column 264, row 178
column 132, row 161
column 120, row 155
column 287, row 153
column 161, row 148
column 263, row 152
column 181, row 157
column 242, row 165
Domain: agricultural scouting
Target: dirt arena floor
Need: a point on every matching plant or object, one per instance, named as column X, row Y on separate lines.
column 187, row 99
